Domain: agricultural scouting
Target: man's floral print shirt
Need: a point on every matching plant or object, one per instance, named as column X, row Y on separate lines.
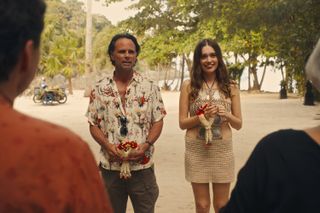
column 142, row 107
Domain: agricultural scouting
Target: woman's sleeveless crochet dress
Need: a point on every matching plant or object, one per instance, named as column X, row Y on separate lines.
column 215, row 163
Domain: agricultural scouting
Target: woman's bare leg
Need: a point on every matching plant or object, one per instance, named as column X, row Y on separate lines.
column 220, row 195
column 201, row 194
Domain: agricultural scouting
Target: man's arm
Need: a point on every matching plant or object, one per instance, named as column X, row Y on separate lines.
column 100, row 138
column 153, row 135
column 155, row 132
column 158, row 113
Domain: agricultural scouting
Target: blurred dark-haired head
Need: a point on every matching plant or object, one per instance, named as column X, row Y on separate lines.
column 20, row 21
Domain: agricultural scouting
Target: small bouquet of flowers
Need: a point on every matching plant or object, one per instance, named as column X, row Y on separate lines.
column 126, row 147
column 206, row 123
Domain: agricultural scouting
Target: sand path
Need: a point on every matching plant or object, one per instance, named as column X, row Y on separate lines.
column 262, row 113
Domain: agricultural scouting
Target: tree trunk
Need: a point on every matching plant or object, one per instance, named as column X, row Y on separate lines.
column 172, row 79
column 165, row 80
column 290, row 83
column 176, row 71
column 249, row 77
column 282, row 73
column 182, row 71
column 89, row 38
column 70, row 86
column 255, row 79
column 88, row 49
column 264, row 72
column 158, row 67
column 253, row 61
column 189, row 63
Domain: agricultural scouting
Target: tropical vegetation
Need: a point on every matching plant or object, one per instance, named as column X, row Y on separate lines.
column 254, row 34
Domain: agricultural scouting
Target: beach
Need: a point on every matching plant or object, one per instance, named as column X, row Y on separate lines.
column 262, row 113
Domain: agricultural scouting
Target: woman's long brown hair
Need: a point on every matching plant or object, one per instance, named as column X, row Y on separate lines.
column 196, row 76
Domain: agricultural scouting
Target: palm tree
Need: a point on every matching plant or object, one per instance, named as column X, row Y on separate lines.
column 89, row 37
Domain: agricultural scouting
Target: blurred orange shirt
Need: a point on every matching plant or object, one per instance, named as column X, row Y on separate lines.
column 46, row 168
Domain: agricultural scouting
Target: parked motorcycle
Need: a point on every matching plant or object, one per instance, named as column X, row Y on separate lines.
column 49, row 96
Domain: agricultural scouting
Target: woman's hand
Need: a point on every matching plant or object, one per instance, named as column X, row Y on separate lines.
column 210, row 111
column 223, row 113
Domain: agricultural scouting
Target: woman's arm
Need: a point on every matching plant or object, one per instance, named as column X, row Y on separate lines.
column 235, row 117
column 186, row 122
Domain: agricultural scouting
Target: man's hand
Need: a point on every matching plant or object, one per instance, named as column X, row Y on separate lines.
column 138, row 153
column 113, row 150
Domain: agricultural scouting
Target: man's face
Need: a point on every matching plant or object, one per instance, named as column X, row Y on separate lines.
column 124, row 54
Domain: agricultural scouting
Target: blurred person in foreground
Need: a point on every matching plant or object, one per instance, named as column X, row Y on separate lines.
column 125, row 117
column 283, row 172
column 43, row 167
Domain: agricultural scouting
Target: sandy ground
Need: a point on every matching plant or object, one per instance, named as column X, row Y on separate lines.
column 262, row 113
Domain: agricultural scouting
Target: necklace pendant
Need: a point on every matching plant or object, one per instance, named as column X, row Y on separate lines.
column 216, row 95
column 209, row 94
column 209, row 91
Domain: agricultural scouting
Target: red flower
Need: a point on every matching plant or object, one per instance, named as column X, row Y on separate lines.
column 127, row 145
column 200, row 110
column 132, row 145
column 142, row 100
column 144, row 160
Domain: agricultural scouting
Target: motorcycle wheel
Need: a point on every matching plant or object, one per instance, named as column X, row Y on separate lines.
column 63, row 99
column 47, row 98
column 36, row 99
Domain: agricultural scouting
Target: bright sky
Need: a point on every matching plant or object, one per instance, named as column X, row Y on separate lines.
column 115, row 12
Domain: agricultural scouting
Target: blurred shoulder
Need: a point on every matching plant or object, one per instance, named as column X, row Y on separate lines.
column 283, row 139
column 186, row 84
column 46, row 133
column 233, row 84
column 234, row 88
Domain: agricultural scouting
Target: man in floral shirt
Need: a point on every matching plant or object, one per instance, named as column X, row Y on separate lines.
column 125, row 114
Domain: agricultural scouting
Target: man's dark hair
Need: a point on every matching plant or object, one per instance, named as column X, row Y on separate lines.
column 119, row 36
column 20, row 21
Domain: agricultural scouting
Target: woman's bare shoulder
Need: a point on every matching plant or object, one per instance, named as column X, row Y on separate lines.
column 233, row 85
column 234, row 88
column 186, row 84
